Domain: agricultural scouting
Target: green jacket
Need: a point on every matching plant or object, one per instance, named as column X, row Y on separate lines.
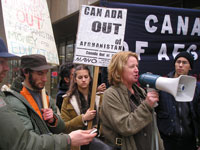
column 14, row 136
column 28, row 115
column 119, row 122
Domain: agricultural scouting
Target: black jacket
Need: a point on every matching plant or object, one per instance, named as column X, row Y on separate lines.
column 62, row 89
column 167, row 111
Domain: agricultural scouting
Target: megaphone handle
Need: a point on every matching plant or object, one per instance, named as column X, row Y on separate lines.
column 149, row 90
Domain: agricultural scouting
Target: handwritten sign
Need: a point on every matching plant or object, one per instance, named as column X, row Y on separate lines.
column 28, row 28
column 100, row 35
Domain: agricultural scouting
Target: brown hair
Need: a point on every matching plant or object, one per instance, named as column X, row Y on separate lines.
column 73, row 85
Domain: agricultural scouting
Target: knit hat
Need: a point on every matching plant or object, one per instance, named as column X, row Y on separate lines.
column 186, row 55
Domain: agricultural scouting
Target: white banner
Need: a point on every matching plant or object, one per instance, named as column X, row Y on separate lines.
column 28, row 28
column 100, row 35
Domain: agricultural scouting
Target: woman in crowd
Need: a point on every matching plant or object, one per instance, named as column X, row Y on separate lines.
column 75, row 109
column 127, row 110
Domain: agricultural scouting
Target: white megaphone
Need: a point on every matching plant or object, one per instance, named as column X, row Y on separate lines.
column 182, row 88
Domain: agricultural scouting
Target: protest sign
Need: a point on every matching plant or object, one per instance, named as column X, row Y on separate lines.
column 28, row 28
column 100, row 35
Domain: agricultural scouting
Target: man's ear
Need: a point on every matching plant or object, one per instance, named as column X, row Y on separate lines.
column 66, row 79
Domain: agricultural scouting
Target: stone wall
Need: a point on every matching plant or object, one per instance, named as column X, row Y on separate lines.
column 62, row 8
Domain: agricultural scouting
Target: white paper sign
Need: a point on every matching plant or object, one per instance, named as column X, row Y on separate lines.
column 28, row 28
column 100, row 35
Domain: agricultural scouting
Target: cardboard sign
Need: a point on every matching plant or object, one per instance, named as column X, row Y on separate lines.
column 100, row 35
column 28, row 28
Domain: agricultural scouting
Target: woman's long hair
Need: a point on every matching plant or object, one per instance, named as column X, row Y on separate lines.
column 73, row 85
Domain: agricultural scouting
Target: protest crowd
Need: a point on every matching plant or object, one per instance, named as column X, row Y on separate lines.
column 123, row 114
column 108, row 107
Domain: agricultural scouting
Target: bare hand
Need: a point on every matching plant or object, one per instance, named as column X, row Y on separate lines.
column 81, row 137
column 89, row 115
column 152, row 98
column 101, row 88
column 48, row 115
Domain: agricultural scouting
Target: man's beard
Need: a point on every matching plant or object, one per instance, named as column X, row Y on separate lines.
column 32, row 83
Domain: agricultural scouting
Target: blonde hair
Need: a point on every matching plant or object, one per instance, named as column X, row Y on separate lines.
column 115, row 68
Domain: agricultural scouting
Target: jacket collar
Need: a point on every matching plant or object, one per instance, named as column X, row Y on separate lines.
column 28, row 87
column 135, row 87
column 74, row 103
column 171, row 74
column 123, row 88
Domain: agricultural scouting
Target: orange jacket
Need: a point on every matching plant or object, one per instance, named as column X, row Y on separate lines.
column 31, row 101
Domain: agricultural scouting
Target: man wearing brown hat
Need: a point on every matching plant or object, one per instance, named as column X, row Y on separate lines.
column 178, row 121
column 14, row 135
column 28, row 104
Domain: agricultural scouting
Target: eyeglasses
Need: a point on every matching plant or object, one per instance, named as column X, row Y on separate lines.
column 183, row 62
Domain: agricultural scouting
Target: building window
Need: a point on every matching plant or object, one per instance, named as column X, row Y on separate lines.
column 69, row 51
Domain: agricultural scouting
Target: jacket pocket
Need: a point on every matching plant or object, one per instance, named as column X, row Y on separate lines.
column 165, row 123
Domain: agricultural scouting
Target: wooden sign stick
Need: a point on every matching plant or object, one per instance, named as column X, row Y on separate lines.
column 94, row 90
column 44, row 98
